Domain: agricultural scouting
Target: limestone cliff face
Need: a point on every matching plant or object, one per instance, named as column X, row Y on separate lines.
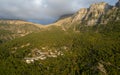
column 95, row 12
column 92, row 15
column 118, row 4
column 87, row 16
column 80, row 15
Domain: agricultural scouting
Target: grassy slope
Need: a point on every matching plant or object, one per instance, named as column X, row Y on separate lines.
column 92, row 51
column 10, row 31
column 88, row 51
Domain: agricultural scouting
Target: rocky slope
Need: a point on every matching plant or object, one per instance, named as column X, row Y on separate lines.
column 93, row 14
column 10, row 29
column 87, row 53
column 97, row 13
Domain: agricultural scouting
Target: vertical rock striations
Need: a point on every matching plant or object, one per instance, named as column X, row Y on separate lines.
column 80, row 15
column 92, row 15
column 87, row 16
column 98, row 13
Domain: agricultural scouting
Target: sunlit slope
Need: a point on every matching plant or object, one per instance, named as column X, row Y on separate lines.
column 83, row 52
column 10, row 29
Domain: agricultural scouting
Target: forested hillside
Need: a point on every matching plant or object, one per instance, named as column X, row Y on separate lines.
column 92, row 52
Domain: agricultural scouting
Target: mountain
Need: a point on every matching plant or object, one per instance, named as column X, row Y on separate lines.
column 93, row 14
column 99, row 13
column 84, row 43
column 10, row 29
column 96, row 14
column 95, row 51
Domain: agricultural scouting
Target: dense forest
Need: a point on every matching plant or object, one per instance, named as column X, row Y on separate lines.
column 91, row 51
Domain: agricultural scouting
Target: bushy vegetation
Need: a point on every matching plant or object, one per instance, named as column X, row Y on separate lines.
column 11, row 31
column 92, row 51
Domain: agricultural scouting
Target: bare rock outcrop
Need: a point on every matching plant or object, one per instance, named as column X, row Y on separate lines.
column 87, row 16
column 93, row 14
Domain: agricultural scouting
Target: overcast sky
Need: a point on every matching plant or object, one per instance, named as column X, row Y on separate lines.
column 43, row 11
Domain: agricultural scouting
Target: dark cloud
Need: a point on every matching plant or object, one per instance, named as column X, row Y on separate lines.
column 43, row 10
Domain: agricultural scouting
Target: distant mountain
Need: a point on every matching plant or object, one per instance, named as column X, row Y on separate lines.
column 10, row 29
column 64, row 16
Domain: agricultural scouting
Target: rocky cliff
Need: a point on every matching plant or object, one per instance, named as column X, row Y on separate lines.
column 98, row 13
column 95, row 12
column 88, row 16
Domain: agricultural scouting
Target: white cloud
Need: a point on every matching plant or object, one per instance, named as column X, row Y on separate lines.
column 42, row 9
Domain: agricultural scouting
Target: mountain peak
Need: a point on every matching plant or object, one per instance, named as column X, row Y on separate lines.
column 93, row 14
column 102, row 6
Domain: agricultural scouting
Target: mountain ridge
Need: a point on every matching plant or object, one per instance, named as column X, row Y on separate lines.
column 97, row 9
column 95, row 14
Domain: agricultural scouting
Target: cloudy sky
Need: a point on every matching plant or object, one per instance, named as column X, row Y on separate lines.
column 43, row 11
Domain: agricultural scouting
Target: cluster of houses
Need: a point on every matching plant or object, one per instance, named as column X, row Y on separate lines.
column 42, row 55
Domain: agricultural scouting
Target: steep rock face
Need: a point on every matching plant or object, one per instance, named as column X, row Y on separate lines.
column 79, row 16
column 93, row 14
column 118, row 4
column 112, row 15
column 86, row 16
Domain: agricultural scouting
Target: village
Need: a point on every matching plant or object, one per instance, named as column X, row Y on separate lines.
column 42, row 55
